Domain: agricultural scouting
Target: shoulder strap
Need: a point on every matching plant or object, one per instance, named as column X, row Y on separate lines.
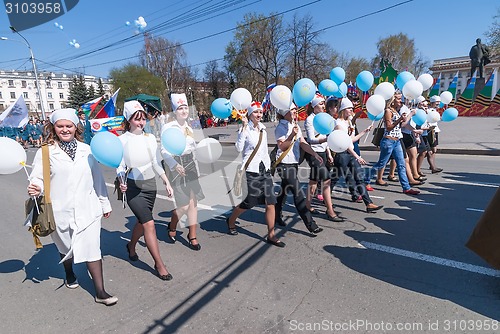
column 283, row 154
column 46, row 172
column 254, row 151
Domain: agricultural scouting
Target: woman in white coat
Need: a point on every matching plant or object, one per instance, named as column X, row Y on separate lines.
column 79, row 199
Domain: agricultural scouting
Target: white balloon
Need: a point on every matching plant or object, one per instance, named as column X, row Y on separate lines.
column 281, row 97
column 426, row 80
column 339, row 141
column 446, row 97
column 375, row 105
column 12, row 156
column 241, row 98
column 135, row 152
column 412, row 89
column 385, row 89
column 433, row 116
column 208, row 150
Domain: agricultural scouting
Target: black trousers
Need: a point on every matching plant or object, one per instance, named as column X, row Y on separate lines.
column 290, row 181
column 347, row 164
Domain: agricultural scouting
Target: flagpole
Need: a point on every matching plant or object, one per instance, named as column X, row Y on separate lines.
column 34, row 70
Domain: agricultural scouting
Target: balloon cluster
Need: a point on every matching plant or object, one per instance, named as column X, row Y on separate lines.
column 72, row 42
column 139, row 25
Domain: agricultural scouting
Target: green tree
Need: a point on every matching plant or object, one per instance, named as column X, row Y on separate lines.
column 493, row 35
column 216, row 80
column 401, row 52
column 91, row 92
column 77, row 93
column 354, row 66
column 134, row 79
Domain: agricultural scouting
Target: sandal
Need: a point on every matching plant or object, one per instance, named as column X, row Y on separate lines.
column 196, row 247
column 276, row 243
column 392, row 179
column 231, row 230
column 170, row 232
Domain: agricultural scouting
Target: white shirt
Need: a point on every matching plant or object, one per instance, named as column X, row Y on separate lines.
column 314, row 137
column 190, row 143
column 145, row 172
column 248, row 137
column 281, row 133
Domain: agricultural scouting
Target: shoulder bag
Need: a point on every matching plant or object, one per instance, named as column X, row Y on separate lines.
column 276, row 162
column 238, row 178
column 42, row 218
column 378, row 134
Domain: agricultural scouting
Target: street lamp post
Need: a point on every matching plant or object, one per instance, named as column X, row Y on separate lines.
column 34, row 66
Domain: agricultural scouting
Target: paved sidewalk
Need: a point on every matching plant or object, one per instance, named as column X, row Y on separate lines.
column 465, row 135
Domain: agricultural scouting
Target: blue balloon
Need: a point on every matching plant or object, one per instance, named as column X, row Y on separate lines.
column 364, row 80
column 328, row 87
column 375, row 118
column 107, row 149
column 221, row 108
column 449, row 115
column 173, row 140
column 323, row 123
column 420, row 117
column 337, row 74
column 342, row 92
column 304, row 91
column 403, row 78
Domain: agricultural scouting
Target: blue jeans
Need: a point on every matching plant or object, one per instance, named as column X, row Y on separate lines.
column 388, row 147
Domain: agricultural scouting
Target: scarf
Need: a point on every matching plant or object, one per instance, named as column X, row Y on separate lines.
column 69, row 147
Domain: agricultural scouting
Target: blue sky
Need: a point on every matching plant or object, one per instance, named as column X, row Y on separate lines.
column 441, row 29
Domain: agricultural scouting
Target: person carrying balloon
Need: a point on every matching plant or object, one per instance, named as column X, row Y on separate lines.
column 138, row 182
column 349, row 161
column 391, row 144
column 79, row 199
column 252, row 135
column 424, row 149
column 181, row 162
column 319, row 171
column 434, row 128
column 290, row 140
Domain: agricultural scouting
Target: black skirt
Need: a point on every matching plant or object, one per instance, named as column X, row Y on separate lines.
column 141, row 196
column 184, row 185
column 260, row 188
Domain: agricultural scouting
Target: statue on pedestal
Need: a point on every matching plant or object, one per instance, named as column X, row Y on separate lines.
column 479, row 56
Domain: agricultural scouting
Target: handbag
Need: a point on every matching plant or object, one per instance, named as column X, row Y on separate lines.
column 42, row 220
column 378, row 134
column 431, row 136
column 238, row 177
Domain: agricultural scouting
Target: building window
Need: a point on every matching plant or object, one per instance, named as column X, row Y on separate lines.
column 12, row 95
column 25, row 95
column 61, row 95
column 441, row 85
column 59, row 84
column 2, row 108
column 11, row 83
column 49, row 95
column 0, row 95
column 49, row 84
column 23, row 84
column 459, row 84
column 35, row 84
column 39, row 106
column 51, row 106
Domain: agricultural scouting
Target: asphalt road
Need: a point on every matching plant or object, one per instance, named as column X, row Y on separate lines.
column 402, row 270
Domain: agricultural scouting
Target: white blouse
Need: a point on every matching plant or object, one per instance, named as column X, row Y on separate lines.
column 248, row 137
column 190, row 143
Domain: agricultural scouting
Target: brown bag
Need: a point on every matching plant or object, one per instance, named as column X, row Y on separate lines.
column 485, row 239
column 238, row 177
column 378, row 134
column 42, row 220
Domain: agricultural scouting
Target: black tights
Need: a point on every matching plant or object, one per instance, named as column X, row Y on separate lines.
column 95, row 270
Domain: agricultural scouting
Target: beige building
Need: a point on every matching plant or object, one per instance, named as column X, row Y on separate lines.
column 54, row 88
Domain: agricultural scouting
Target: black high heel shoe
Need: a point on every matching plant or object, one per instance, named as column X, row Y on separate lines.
column 169, row 232
column 231, row 230
column 166, row 277
column 196, row 247
column 131, row 257
column 335, row 218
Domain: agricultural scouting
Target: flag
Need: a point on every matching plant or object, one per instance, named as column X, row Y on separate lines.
column 464, row 102
column 266, row 103
column 16, row 115
column 111, row 124
column 452, row 88
column 435, row 88
column 482, row 101
column 108, row 110
column 494, row 108
column 89, row 107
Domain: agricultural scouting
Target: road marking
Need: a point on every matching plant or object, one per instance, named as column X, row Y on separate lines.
column 472, row 209
column 432, row 259
column 423, row 203
column 480, row 184
column 378, row 197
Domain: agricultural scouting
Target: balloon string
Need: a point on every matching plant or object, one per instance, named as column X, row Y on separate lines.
column 124, row 198
column 28, row 176
column 366, row 137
